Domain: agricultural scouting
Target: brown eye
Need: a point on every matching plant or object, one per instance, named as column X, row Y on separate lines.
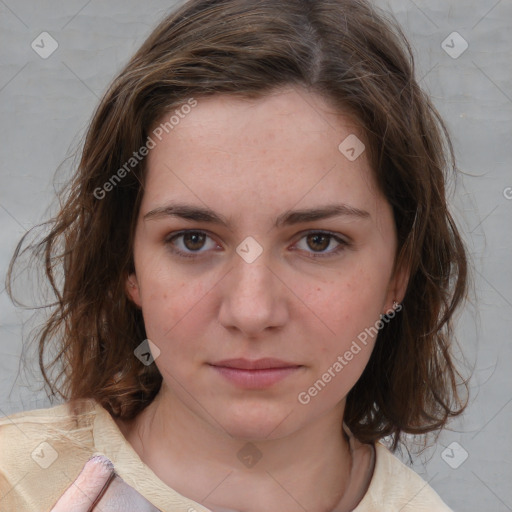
column 190, row 244
column 320, row 244
column 318, row 241
column 194, row 241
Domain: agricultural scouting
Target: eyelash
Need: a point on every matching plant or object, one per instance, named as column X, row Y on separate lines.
column 343, row 244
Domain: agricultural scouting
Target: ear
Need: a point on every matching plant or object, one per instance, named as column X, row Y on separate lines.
column 132, row 289
column 397, row 285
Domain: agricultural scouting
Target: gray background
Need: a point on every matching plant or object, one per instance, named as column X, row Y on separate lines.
column 45, row 105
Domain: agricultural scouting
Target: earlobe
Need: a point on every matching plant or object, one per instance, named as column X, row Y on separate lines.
column 401, row 281
column 398, row 287
column 132, row 289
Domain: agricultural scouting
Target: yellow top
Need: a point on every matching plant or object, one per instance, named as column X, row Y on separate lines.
column 43, row 451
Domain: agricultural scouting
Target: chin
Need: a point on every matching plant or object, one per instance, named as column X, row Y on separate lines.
column 250, row 421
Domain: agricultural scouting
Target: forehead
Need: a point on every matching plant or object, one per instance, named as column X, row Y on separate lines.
column 286, row 148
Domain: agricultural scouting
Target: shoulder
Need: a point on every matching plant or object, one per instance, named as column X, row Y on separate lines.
column 398, row 488
column 42, row 451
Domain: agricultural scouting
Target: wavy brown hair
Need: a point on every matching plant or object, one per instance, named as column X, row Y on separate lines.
column 359, row 61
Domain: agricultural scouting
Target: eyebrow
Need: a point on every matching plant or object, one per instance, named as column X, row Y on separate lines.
column 288, row 218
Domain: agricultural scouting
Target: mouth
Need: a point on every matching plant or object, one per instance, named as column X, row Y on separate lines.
column 255, row 374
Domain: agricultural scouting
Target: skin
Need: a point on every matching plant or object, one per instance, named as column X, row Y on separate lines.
column 98, row 480
column 80, row 496
column 250, row 161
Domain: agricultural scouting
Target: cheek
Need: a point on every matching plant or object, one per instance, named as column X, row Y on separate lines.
column 174, row 313
column 350, row 302
column 350, row 305
column 170, row 301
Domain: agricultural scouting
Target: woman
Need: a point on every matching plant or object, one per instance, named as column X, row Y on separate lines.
column 259, row 275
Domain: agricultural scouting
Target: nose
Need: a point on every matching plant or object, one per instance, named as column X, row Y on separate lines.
column 254, row 298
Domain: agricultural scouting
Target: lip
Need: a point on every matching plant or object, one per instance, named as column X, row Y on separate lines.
column 265, row 363
column 255, row 374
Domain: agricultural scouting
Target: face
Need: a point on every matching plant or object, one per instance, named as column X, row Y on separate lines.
column 261, row 254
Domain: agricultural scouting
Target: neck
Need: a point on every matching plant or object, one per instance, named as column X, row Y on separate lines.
column 202, row 461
